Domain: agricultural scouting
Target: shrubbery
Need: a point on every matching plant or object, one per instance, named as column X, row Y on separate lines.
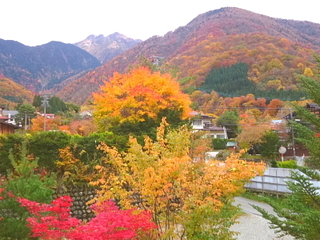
column 288, row 164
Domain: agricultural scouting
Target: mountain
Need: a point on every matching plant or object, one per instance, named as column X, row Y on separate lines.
column 106, row 48
column 12, row 93
column 41, row 67
column 275, row 50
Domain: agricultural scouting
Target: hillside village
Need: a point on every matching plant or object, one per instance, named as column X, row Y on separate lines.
column 199, row 122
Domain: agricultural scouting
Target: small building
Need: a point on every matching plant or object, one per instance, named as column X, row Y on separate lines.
column 232, row 146
column 314, row 108
column 6, row 123
column 48, row 115
column 11, row 116
column 199, row 120
column 6, row 128
column 215, row 131
column 85, row 114
column 203, row 122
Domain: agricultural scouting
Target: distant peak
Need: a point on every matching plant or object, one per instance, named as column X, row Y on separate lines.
column 118, row 35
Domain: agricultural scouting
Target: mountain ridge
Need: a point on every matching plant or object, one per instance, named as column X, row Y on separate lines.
column 235, row 31
column 40, row 67
column 104, row 48
column 275, row 50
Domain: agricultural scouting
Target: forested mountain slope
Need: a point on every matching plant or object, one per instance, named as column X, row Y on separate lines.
column 274, row 49
column 12, row 93
column 41, row 67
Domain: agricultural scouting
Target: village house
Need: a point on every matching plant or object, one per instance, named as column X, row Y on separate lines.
column 6, row 123
column 202, row 122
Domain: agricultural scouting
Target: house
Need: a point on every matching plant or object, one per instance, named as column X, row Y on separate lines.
column 5, row 126
column 203, row 122
column 199, row 120
column 314, row 108
column 287, row 137
column 85, row 114
column 215, row 131
column 232, row 146
column 11, row 116
column 48, row 115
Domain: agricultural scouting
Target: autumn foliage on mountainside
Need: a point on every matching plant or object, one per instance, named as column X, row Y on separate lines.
column 274, row 49
column 138, row 95
column 12, row 93
column 273, row 61
column 215, row 104
column 186, row 197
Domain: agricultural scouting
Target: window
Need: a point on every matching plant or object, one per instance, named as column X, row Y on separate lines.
column 197, row 122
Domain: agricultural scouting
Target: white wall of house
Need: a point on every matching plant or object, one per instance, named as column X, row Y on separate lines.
column 11, row 115
column 204, row 123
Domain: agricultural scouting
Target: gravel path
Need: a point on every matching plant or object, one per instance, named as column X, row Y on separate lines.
column 252, row 226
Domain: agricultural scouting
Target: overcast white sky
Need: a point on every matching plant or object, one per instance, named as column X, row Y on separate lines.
column 36, row 22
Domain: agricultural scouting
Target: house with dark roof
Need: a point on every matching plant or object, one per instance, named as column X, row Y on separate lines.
column 314, row 108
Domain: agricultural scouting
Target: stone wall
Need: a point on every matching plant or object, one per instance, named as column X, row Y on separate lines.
column 80, row 195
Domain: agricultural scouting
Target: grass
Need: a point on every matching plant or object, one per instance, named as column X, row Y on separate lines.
column 264, row 197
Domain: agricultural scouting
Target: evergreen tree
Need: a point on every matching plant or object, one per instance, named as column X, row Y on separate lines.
column 269, row 145
column 299, row 213
column 56, row 105
column 307, row 132
column 26, row 112
column 22, row 182
column 230, row 120
column 37, row 102
column 233, row 82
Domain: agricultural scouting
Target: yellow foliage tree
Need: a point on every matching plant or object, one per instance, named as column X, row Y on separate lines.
column 273, row 84
column 187, row 198
column 71, row 169
column 308, row 72
column 138, row 95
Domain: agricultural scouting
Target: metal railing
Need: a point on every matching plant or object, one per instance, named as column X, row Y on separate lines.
column 274, row 180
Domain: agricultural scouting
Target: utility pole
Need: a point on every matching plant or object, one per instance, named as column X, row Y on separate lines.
column 292, row 135
column 45, row 103
column 25, row 120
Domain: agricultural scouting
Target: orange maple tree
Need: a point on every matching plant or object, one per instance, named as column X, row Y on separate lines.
column 51, row 124
column 82, row 127
column 137, row 95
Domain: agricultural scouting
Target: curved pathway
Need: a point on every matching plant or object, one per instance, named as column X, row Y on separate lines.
column 252, row 226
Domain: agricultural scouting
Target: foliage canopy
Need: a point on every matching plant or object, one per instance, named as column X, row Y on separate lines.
column 138, row 95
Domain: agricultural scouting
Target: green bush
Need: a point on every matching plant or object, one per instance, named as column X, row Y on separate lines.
column 287, row 164
column 45, row 146
column 9, row 143
column 218, row 143
column 85, row 147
